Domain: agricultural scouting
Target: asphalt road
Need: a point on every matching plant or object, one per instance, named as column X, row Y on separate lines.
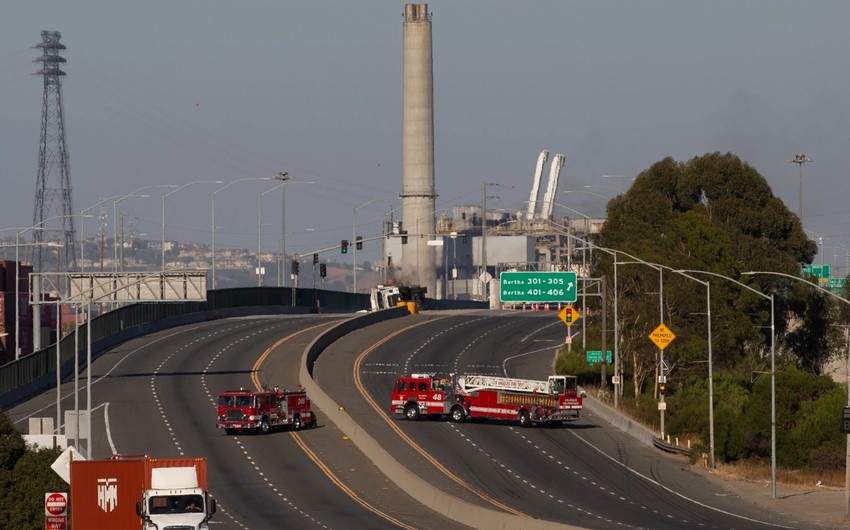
column 588, row 474
column 155, row 395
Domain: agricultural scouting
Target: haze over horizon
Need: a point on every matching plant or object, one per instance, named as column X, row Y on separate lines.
column 171, row 93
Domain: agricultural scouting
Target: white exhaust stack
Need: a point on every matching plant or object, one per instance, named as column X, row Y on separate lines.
column 535, row 186
column 418, row 194
column 552, row 187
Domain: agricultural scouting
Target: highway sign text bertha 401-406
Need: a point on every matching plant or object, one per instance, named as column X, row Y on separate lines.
column 538, row 286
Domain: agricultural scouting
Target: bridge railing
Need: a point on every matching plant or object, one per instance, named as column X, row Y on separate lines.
column 36, row 372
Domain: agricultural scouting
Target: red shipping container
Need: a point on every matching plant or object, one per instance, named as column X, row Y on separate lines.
column 104, row 493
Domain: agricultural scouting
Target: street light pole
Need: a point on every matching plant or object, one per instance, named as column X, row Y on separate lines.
column 281, row 264
column 773, row 387
column 354, row 243
column 260, row 231
column 484, row 197
column 800, row 159
column 82, row 229
column 212, row 227
column 134, row 193
column 162, row 232
column 18, row 276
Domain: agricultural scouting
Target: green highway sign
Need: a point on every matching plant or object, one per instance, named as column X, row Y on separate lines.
column 594, row 357
column 538, row 286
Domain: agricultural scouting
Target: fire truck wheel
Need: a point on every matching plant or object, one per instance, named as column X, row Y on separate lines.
column 314, row 420
column 458, row 414
column 264, row 426
column 411, row 411
column 524, row 418
column 296, row 423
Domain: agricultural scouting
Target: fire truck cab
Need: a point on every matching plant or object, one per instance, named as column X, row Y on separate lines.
column 463, row 397
column 247, row 410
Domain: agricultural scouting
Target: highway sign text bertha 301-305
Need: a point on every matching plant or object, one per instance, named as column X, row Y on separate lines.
column 538, row 286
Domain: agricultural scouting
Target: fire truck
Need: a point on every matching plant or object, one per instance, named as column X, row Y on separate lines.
column 462, row 397
column 250, row 411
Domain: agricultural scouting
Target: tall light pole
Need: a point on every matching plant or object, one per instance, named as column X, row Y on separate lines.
column 162, row 231
column 484, row 198
column 660, row 270
column 281, row 264
column 286, row 178
column 354, row 242
column 800, row 159
column 260, row 231
column 115, row 267
column 82, row 229
column 212, row 227
column 37, row 226
column 134, row 193
column 773, row 390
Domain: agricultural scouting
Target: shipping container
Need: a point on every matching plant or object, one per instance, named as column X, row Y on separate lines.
column 104, row 493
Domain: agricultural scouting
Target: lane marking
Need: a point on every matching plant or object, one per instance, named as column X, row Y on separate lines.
column 392, row 424
column 310, row 454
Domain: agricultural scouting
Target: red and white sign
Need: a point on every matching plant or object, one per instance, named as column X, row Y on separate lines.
column 56, row 522
column 55, row 504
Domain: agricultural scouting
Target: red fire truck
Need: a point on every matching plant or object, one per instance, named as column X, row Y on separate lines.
column 247, row 410
column 463, row 397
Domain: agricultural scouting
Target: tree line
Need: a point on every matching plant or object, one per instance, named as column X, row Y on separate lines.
column 716, row 213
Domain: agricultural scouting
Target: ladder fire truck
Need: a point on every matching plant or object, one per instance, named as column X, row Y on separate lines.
column 247, row 410
column 462, row 397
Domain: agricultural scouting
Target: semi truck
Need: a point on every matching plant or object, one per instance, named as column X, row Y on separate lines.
column 138, row 491
column 471, row 396
column 247, row 410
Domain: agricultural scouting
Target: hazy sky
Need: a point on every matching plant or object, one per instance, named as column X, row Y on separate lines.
column 165, row 92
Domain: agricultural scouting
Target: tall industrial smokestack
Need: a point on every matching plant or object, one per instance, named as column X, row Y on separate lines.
column 418, row 194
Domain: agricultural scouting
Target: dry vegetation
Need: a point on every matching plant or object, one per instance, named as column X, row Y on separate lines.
column 756, row 470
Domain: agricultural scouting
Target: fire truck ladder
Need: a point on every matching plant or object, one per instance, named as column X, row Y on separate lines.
column 471, row 383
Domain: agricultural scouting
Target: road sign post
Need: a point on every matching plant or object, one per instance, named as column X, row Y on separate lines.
column 55, row 511
column 662, row 336
column 538, row 287
column 56, row 503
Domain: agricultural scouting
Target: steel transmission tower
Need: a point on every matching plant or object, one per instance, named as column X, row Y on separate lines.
column 53, row 215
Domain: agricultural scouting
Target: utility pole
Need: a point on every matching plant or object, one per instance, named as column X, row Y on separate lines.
column 484, row 197
column 800, row 159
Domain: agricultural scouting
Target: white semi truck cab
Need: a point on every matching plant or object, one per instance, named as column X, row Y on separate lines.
column 175, row 501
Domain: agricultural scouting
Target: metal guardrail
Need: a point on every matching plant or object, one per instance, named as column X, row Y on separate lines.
column 670, row 448
column 36, row 372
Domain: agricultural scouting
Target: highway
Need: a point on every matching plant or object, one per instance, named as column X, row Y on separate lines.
column 155, row 395
column 586, row 474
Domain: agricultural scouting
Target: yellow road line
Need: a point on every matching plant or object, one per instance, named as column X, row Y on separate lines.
column 392, row 423
column 255, row 378
column 310, row 454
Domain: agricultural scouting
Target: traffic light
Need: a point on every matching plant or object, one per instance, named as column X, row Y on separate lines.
column 403, row 237
column 343, row 246
column 662, row 389
column 315, row 258
column 323, row 270
column 568, row 315
column 295, row 266
column 358, row 244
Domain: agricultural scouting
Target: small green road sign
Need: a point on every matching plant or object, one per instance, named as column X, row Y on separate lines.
column 538, row 286
column 594, row 357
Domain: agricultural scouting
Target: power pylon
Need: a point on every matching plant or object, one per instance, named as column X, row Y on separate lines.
column 53, row 215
